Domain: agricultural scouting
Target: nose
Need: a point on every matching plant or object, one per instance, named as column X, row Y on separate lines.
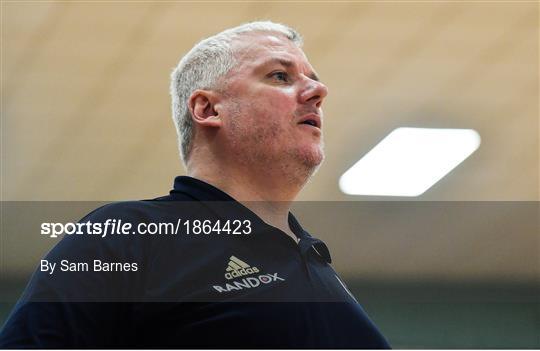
column 314, row 93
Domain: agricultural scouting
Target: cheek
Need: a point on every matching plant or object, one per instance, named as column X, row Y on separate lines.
column 276, row 112
column 284, row 101
column 263, row 114
column 275, row 98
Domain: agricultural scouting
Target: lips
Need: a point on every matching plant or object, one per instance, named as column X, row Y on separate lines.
column 311, row 119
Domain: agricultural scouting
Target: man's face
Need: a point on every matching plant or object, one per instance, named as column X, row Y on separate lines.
column 272, row 110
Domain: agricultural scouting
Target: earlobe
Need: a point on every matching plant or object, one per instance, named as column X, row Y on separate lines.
column 202, row 108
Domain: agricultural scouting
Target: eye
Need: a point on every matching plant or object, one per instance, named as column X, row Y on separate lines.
column 280, row 75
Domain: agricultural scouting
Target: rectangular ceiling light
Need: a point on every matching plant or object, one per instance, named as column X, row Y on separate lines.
column 409, row 161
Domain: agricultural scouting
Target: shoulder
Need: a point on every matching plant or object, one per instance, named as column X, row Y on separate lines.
column 143, row 210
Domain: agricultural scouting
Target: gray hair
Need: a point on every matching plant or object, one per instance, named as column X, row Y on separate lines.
column 203, row 67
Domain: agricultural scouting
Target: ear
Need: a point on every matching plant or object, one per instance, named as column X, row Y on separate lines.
column 202, row 105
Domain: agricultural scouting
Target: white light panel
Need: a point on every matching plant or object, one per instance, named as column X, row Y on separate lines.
column 409, row 161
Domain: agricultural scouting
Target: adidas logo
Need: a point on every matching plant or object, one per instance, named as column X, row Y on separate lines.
column 237, row 268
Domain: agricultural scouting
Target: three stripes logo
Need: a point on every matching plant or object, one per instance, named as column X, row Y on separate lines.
column 237, row 268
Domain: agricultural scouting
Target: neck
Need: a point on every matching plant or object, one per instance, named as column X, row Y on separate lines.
column 268, row 193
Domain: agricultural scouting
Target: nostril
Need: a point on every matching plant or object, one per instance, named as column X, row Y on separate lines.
column 316, row 97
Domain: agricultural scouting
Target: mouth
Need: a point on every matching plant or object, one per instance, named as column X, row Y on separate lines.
column 311, row 120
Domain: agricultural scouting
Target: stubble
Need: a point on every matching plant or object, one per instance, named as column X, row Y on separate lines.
column 255, row 145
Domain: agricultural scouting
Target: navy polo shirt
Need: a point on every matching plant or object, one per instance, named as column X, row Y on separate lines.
column 235, row 282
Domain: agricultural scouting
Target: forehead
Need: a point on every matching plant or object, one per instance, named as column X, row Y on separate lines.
column 254, row 49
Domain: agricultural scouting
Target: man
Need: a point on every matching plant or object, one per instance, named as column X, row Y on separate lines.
column 241, row 272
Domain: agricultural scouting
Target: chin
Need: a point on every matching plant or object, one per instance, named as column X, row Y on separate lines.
column 312, row 157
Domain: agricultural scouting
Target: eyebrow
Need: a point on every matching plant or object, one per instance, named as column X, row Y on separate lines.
column 288, row 64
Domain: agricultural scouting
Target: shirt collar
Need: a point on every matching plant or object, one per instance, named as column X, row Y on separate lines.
column 198, row 190
column 226, row 207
